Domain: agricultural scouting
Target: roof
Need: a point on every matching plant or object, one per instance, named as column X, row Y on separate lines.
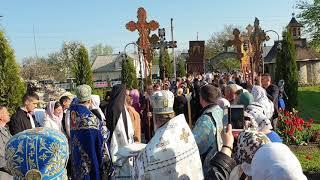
column 294, row 23
column 266, row 50
column 303, row 54
column 110, row 63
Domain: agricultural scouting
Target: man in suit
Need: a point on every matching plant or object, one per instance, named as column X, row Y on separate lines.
column 4, row 138
column 23, row 118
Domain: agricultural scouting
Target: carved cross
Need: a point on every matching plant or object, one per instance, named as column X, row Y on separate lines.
column 144, row 28
column 184, row 136
column 236, row 42
column 163, row 45
column 257, row 38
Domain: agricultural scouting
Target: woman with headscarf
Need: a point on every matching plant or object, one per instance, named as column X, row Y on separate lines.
column 120, row 125
column 260, row 96
column 96, row 107
column 247, row 145
column 264, row 123
column 134, row 115
column 135, row 95
column 275, row 161
column 54, row 115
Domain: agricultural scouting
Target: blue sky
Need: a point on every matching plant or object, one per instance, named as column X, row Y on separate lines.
column 103, row 21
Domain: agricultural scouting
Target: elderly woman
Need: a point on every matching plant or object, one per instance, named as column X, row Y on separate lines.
column 54, row 115
column 260, row 96
column 257, row 159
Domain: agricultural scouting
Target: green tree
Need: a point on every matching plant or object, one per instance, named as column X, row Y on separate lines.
column 128, row 73
column 181, row 68
column 168, row 64
column 286, row 69
column 310, row 17
column 99, row 50
column 69, row 53
column 228, row 65
column 82, row 67
column 12, row 87
column 215, row 44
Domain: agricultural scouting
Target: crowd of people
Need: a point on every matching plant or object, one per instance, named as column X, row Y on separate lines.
column 174, row 130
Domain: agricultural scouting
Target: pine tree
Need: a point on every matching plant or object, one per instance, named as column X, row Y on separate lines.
column 168, row 64
column 181, row 70
column 128, row 73
column 12, row 87
column 82, row 69
column 286, row 69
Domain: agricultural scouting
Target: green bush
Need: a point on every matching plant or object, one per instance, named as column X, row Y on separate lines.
column 12, row 86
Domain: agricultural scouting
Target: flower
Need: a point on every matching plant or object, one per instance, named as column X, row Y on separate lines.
column 311, row 120
column 309, row 157
column 286, row 122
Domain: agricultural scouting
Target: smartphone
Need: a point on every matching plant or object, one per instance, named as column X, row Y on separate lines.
column 236, row 117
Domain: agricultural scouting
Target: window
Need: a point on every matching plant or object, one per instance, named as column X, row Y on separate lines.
column 294, row 32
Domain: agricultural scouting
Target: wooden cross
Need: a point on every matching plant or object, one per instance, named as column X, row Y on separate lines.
column 144, row 28
column 257, row 38
column 184, row 136
column 236, row 42
column 163, row 45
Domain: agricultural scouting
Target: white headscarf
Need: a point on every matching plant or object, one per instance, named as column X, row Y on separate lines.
column 256, row 110
column 96, row 105
column 50, row 112
column 275, row 161
column 222, row 102
column 260, row 96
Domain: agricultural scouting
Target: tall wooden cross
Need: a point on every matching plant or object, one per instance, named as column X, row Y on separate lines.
column 236, row 42
column 257, row 38
column 144, row 28
column 162, row 45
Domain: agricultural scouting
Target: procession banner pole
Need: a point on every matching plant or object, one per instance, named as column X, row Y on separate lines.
column 189, row 108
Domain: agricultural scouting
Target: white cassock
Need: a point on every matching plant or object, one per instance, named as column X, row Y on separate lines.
column 123, row 166
column 171, row 154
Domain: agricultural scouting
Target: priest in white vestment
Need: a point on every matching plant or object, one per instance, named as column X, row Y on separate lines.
column 120, row 125
column 172, row 153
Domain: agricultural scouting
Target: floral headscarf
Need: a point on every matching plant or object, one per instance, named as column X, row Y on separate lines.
column 260, row 96
column 257, row 112
column 247, row 145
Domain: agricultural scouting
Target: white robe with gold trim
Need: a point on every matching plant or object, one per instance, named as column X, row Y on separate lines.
column 171, row 154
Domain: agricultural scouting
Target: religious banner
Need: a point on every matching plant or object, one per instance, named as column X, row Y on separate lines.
column 195, row 63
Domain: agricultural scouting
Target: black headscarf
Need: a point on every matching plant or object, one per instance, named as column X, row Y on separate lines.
column 116, row 107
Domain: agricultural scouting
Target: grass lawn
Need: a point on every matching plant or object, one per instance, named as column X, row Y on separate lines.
column 309, row 103
column 309, row 158
column 309, row 107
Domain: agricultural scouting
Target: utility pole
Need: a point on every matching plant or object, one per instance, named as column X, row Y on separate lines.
column 174, row 57
column 35, row 44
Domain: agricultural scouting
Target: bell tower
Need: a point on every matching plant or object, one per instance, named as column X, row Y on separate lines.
column 295, row 27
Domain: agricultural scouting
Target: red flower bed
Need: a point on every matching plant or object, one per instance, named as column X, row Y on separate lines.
column 294, row 129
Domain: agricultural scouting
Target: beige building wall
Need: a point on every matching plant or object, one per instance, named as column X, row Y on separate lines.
column 303, row 75
column 106, row 76
column 316, row 72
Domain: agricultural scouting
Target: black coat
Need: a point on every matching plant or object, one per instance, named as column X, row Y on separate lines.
column 221, row 166
column 20, row 121
column 180, row 105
